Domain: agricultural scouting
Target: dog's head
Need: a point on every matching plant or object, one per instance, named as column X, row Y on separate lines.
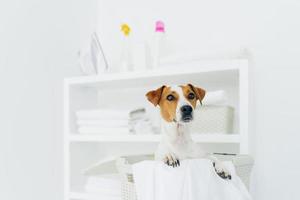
column 176, row 103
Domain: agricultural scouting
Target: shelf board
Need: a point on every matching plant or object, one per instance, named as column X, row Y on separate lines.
column 205, row 71
column 201, row 138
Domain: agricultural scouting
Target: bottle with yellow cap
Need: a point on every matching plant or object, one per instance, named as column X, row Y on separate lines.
column 126, row 57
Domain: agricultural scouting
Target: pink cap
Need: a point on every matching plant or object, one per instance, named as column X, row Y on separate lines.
column 160, row 26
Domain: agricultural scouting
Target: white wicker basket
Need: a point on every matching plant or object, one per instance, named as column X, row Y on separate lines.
column 242, row 163
column 213, row 119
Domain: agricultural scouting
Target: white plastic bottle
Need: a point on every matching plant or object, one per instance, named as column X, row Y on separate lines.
column 158, row 43
column 126, row 57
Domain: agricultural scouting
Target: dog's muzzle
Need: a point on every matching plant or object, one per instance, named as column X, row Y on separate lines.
column 186, row 113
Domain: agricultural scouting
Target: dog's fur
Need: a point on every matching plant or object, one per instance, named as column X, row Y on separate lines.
column 177, row 143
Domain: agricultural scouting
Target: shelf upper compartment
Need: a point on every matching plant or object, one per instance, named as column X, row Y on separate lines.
column 200, row 138
column 204, row 71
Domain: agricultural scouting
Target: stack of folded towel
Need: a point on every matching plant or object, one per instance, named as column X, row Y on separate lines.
column 107, row 121
column 106, row 186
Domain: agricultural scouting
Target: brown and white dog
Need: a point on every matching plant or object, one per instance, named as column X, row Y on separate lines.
column 177, row 105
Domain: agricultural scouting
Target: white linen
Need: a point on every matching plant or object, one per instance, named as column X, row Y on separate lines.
column 103, row 130
column 195, row 179
column 107, row 184
column 91, row 196
column 103, row 114
column 102, row 122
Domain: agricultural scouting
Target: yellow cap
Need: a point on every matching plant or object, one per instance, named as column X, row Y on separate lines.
column 125, row 29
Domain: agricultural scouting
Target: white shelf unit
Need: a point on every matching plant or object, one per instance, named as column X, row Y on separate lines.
column 127, row 90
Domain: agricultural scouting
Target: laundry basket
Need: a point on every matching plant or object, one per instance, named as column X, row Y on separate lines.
column 243, row 165
column 213, row 119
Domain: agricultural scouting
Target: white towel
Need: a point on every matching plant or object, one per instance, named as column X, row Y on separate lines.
column 215, row 97
column 107, row 184
column 103, row 191
column 193, row 180
column 103, row 114
column 103, row 123
column 92, row 196
column 105, row 180
column 103, row 130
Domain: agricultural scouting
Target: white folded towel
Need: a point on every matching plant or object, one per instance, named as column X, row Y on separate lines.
column 107, row 184
column 107, row 114
column 103, row 130
column 103, row 190
column 103, row 123
column 104, row 114
column 92, row 196
column 215, row 98
column 195, row 179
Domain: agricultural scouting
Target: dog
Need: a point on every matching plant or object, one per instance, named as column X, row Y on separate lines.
column 177, row 104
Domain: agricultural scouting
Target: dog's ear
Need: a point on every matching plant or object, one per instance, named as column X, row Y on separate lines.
column 200, row 93
column 154, row 95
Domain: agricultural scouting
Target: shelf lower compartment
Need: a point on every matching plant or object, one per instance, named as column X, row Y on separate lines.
column 200, row 138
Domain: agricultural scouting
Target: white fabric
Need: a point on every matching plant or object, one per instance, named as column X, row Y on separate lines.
column 92, row 196
column 102, row 122
column 195, row 179
column 107, row 184
column 99, row 114
column 103, row 130
column 106, row 180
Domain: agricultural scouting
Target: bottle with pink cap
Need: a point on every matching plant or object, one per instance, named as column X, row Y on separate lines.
column 157, row 43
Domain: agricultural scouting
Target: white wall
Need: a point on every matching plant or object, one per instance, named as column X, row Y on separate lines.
column 39, row 41
column 270, row 31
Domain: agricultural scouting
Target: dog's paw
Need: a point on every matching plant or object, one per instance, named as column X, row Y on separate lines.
column 171, row 160
column 221, row 170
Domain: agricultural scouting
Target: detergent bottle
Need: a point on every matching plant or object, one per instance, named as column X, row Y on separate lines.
column 158, row 42
column 126, row 57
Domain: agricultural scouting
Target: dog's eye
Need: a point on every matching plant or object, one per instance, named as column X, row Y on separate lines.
column 170, row 97
column 191, row 96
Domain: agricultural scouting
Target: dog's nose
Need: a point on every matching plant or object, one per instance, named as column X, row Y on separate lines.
column 186, row 110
